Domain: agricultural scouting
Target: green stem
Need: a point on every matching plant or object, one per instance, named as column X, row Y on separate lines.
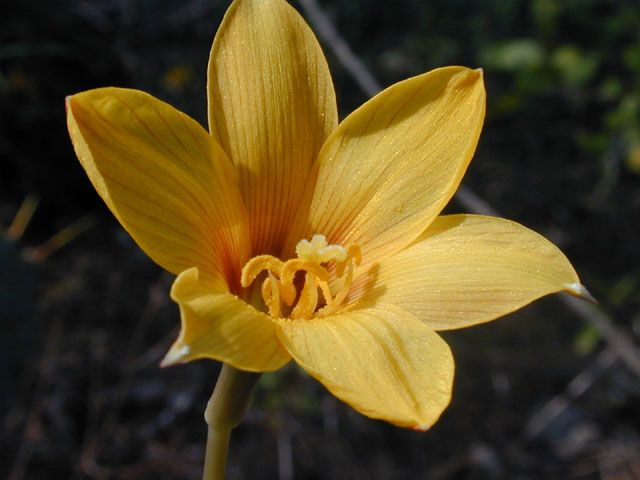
column 227, row 406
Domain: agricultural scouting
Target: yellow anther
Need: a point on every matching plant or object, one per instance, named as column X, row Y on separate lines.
column 342, row 294
column 266, row 290
column 287, row 292
column 280, row 285
column 257, row 265
column 308, row 299
column 326, row 292
column 296, row 264
column 273, row 302
column 354, row 257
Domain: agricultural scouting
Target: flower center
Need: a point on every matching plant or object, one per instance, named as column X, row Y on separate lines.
column 278, row 288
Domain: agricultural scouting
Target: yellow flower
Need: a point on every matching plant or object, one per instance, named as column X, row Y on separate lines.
column 294, row 236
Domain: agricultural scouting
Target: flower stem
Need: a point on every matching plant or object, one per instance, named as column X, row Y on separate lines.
column 225, row 410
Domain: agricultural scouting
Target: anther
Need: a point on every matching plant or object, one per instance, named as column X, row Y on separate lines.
column 279, row 285
column 274, row 302
column 257, row 265
column 308, row 299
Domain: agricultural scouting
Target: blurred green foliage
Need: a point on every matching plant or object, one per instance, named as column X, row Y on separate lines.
column 584, row 53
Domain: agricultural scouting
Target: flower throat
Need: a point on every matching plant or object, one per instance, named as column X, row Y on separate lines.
column 278, row 287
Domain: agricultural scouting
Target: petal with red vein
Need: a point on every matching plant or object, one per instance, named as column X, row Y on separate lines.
column 164, row 178
column 271, row 106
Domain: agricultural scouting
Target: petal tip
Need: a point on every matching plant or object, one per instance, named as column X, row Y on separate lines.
column 176, row 354
column 71, row 100
column 67, row 103
column 578, row 290
column 421, row 428
column 477, row 75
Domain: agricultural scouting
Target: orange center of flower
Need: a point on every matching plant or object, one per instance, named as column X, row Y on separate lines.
column 278, row 287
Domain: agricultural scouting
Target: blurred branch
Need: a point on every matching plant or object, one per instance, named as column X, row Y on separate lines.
column 619, row 342
column 369, row 85
column 474, row 203
column 349, row 60
column 558, row 404
column 23, row 217
column 61, row 238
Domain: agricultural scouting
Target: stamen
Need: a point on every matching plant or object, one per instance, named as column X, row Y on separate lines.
column 296, row 264
column 279, row 284
column 287, row 292
column 354, row 257
column 326, row 292
column 274, row 301
column 353, row 252
column 308, row 300
column 342, row 294
column 257, row 265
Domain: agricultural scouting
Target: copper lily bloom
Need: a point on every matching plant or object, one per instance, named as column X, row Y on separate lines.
column 295, row 236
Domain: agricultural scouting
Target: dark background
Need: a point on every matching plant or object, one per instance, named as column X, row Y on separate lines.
column 83, row 329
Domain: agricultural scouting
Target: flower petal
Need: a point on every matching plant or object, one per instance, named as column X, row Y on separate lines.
column 393, row 164
column 468, row 269
column 164, row 178
column 383, row 362
column 271, row 106
column 218, row 325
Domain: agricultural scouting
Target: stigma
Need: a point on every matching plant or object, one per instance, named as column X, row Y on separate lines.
column 279, row 293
